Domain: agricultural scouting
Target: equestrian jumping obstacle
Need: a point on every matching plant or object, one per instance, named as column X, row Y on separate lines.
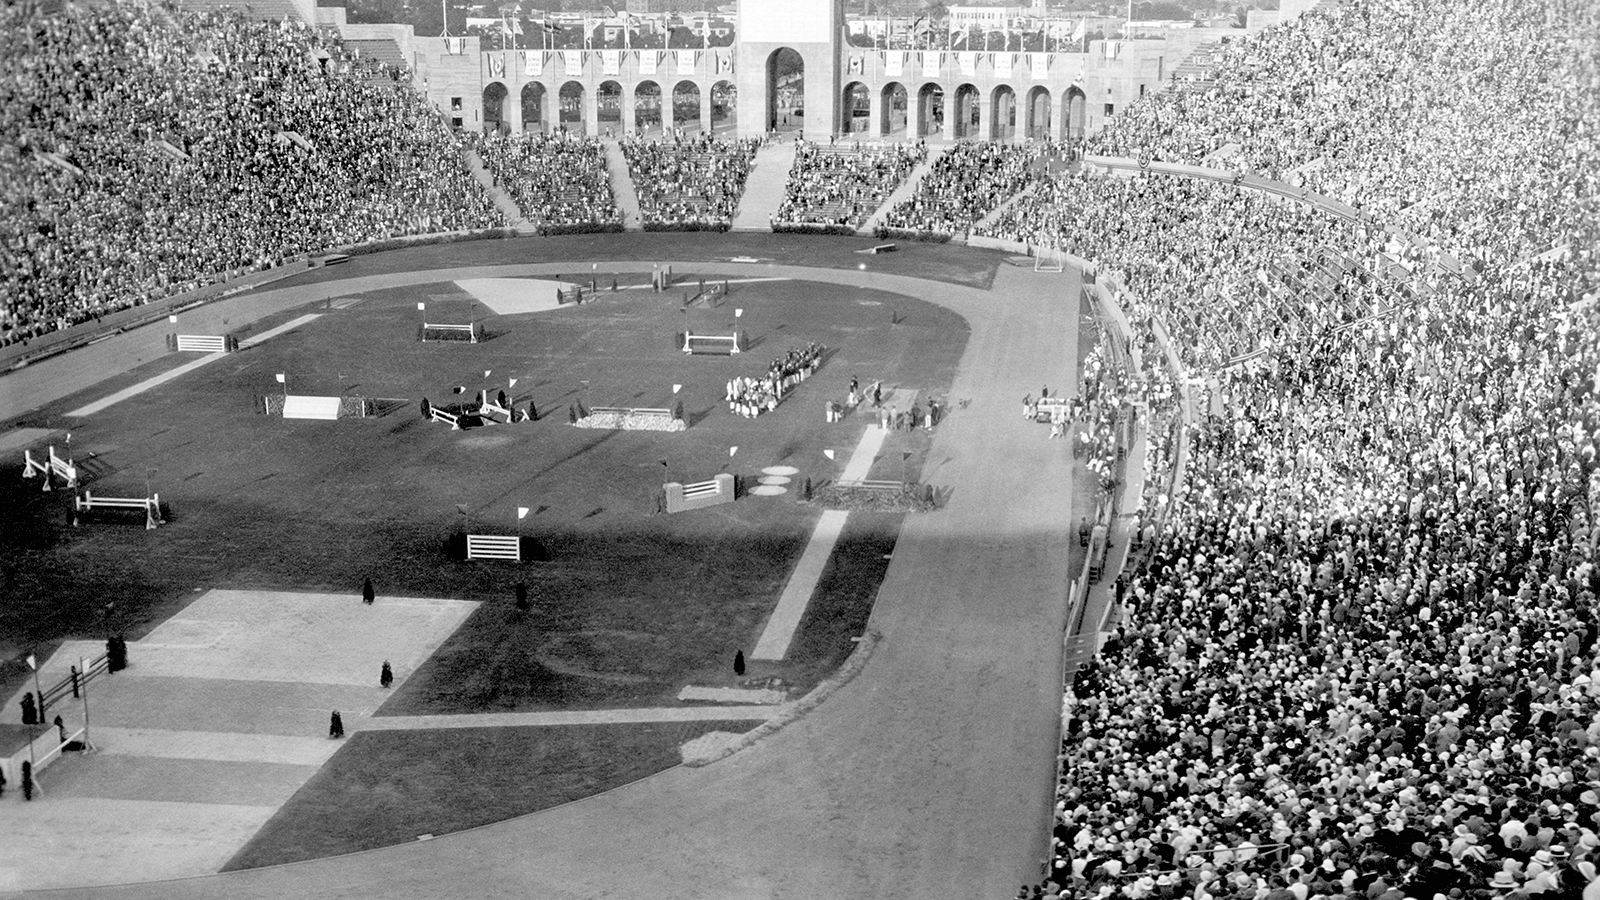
column 494, row 546
column 87, row 502
column 51, row 466
column 202, row 343
column 438, row 415
column 684, row 497
column 569, row 294
column 440, row 331
column 487, row 406
column 713, row 343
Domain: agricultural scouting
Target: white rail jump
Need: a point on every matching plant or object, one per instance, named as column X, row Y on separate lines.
column 487, row 406
column 684, row 497
column 202, row 343
column 451, row 419
column 87, row 502
column 471, row 330
column 494, row 546
column 52, row 466
column 734, row 343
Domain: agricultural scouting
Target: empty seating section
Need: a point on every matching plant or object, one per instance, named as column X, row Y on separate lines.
column 559, row 181
column 841, row 185
column 689, row 183
column 197, row 146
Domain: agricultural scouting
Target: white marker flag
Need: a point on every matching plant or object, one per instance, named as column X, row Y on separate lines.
column 732, row 451
column 421, row 307
column 513, row 383
column 522, row 511
column 280, row 378
column 828, row 453
column 172, row 319
column 33, row 663
column 737, row 313
column 676, row 388
column 486, row 372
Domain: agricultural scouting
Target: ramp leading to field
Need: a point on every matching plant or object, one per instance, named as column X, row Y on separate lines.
column 764, row 189
column 905, row 190
column 622, row 189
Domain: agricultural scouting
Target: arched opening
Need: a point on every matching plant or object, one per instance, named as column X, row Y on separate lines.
column 1003, row 114
column 930, row 111
column 1074, row 109
column 608, row 100
column 724, row 106
column 1039, row 114
column 494, row 105
column 966, row 112
column 786, row 90
column 857, row 111
column 686, row 106
column 892, row 120
column 571, row 100
column 647, row 108
column 533, row 116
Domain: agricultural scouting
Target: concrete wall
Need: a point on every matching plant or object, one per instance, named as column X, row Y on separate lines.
column 812, row 28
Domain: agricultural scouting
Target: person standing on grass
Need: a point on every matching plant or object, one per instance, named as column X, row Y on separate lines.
column 386, row 675
column 367, row 593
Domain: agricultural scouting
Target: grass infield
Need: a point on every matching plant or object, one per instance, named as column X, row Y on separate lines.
column 389, row 787
column 629, row 606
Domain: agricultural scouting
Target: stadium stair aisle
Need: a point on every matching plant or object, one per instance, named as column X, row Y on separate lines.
column 627, row 198
column 905, row 190
column 995, row 213
column 502, row 200
column 765, row 188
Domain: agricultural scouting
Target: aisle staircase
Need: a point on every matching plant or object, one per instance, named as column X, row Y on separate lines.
column 622, row 190
column 905, row 190
column 502, row 199
column 765, row 188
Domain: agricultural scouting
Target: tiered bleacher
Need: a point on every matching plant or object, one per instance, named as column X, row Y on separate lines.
column 151, row 151
column 691, row 184
column 1359, row 659
column 964, row 185
column 559, row 181
column 834, row 188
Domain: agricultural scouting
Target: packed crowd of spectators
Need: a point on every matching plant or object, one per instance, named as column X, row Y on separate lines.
column 689, row 183
column 1362, row 656
column 839, row 186
column 560, row 182
column 1446, row 156
column 965, row 183
column 149, row 151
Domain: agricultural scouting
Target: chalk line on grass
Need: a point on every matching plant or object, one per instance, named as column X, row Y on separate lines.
column 785, row 618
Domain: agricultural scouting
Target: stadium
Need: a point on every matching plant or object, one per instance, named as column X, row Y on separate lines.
column 578, row 455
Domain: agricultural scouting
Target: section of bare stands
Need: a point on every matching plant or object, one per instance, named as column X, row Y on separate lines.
column 1359, row 658
column 151, row 151
column 689, row 184
column 835, row 188
column 559, row 181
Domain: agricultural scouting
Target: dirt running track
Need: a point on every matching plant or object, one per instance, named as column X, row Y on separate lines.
column 928, row 776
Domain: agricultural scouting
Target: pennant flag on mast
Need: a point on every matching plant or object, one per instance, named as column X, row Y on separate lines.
column 513, row 383
column 522, row 512
column 828, row 453
column 280, row 378
column 732, row 450
column 737, row 313
column 421, row 307
column 676, row 388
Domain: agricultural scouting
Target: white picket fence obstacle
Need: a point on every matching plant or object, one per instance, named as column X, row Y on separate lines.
column 305, row 406
column 715, row 343
column 52, row 466
column 87, row 502
column 448, row 332
column 494, row 546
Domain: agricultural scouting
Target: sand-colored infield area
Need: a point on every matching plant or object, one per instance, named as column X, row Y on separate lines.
column 220, row 717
